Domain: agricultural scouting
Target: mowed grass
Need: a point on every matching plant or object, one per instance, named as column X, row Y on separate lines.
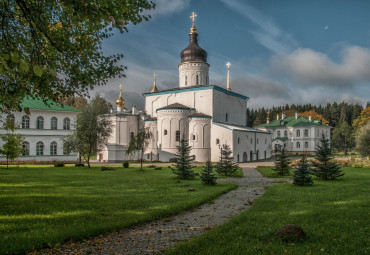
column 44, row 206
column 334, row 214
column 268, row 172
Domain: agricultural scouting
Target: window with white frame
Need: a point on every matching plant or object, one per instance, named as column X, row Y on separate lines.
column 298, row 145
column 40, row 122
column 177, row 136
column 53, row 148
column 39, row 149
column 25, row 121
column 66, row 124
column 306, row 132
column 54, row 123
column 26, row 148
column 298, row 133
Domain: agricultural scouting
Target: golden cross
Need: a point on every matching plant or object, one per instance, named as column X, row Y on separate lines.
column 155, row 76
column 193, row 17
column 120, row 87
column 228, row 64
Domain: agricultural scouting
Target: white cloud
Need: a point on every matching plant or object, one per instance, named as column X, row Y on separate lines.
column 269, row 34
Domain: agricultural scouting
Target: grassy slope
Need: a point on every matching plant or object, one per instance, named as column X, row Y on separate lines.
column 334, row 214
column 45, row 205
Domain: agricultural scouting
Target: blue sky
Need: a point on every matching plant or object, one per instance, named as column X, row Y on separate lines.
column 286, row 51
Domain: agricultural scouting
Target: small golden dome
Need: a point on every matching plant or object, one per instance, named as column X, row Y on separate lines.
column 154, row 89
column 120, row 102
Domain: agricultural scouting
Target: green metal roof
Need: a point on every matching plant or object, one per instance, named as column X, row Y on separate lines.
column 292, row 122
column 38, row 104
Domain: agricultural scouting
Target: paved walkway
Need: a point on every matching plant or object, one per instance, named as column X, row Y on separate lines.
column 165, row 233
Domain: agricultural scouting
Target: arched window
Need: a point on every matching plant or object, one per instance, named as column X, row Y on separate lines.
column 11, row 119
column 238, row 140
column 25, row 121
column 165, row 132
column 39, row 149
column 306, row 144
column 298, row 133
column 278, row 133
column 285, row 133
column 197, row 79
column 26, row 148
column 193, row 137
column 306, row 132
column 227, row 117
column 186, row 80
column 53, row 148
column 54, row 123
column 40, row 122
column 251, row 140
column 66, row 124
column 217, row 141
column 132, row 135
column 298, row 145
column 177, row 136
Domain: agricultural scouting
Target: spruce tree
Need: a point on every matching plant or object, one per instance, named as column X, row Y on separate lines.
column 324, row 167
column 183, row 167
column 282, row 164
column 302, row 173
column 226, row 165
column 208, row 176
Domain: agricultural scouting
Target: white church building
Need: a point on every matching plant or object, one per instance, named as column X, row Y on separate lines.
column 208, row 115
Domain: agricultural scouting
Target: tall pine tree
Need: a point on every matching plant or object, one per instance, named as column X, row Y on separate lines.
column 183, row 167
column 324, row 167
column 302, row 173
column 282, row 164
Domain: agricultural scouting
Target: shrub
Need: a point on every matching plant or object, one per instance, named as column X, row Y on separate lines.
column 158, row 168
column 107, row 168
column 79, row 164
column 59, row 165
column 125, row 164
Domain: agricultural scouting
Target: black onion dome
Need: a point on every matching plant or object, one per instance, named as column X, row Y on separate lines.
column 193, row 52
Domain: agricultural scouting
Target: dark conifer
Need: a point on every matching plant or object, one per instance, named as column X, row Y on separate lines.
column 324, row 167
column 208, row 176
column 226, row 165
column 183, row 167
column 282, row 164
column 302, row 173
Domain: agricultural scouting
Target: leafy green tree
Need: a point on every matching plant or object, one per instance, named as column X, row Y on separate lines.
column 140, row 143
column 208, row 176
column 92, row 130
column 282, row 164
column 54, row 48
column 302, row 173
column 12, row 147
column 324, row 167
column 226, row 165
column 183, row 167
column 343, row 139
column 363, row 140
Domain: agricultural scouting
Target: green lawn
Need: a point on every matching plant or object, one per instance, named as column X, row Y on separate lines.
column 43, row 206
column 268, row 172
column 334, row 214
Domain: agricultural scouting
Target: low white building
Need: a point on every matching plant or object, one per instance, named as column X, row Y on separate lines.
column 43, row 129
column 295, row 134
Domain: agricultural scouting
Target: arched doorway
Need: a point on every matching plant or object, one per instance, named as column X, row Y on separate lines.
column 265, row 154
column 238, row 158
column 251, row 156
column 245, row 157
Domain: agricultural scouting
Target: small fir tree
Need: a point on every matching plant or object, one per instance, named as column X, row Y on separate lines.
column 208, row 176
column 183, row 167
column 324, row 167
column 302, row 173
column 226, row 165
column 12, row 147
column 282, row 164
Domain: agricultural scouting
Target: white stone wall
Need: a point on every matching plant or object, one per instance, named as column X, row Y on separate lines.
column 189, row 71
column 229, row 109
column 45, row 135
column 200, row 138
column 152, row 150
column 225, row 136
column 249, row 146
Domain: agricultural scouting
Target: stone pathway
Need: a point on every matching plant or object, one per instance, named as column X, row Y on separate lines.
column 165, row 233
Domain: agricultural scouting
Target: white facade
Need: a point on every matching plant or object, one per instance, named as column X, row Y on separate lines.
column 193, row 74
column 43, row 132
column 296, row 134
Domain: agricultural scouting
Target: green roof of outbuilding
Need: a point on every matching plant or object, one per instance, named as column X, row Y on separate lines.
column 292, row 122
column 38, row 104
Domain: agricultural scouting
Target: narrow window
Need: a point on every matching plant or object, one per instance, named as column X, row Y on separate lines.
column 278, row 133
column 177, row 136
column 26, row 148
column 227, row 117
column 53, row 148
column 265, row 140
column 257, row 140
column 217, row 141
column 66, row 124
column 193, row 137
column 285, row 133
column 25, row 121
column 238, row 140
column 165, row 132
column 197, row 79
column 132, row 135
column 251, row 140
column 306, row 132
column 39, row 149
column 306, row 144
column 298, row 145
column 40, row 122
column 186, row 80
column 54, row 123
column 298, row 133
